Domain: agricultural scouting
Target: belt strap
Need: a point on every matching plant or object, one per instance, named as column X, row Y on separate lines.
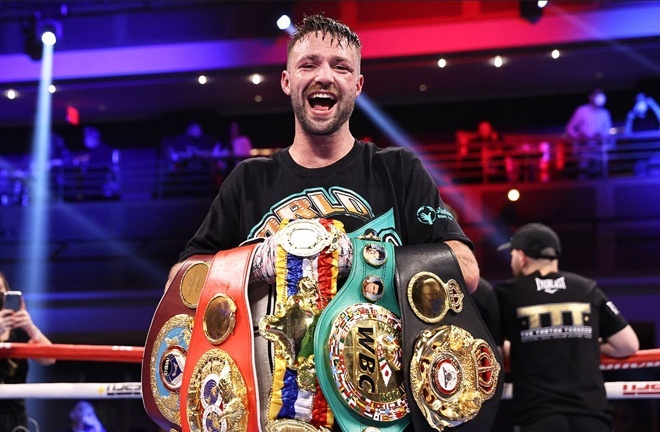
column 167, row 342
column 219, row 389
column 357, row 345
column 451, row 365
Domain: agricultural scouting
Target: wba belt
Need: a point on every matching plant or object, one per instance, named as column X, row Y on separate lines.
column 451, row 365
column 357, row 345
column 218, row 391
column 168, row 341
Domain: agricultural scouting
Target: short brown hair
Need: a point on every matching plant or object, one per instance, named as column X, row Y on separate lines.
column 326, row 26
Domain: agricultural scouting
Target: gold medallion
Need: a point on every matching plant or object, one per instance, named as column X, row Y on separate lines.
column 219, row 319
column 192, row 283
column 365, row 359
column 217, row 395
column 451, row 375
column 430, row 298
column 167, row 363
column 289, row 425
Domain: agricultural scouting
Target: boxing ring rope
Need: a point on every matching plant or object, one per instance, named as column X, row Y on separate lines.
column 133, row 390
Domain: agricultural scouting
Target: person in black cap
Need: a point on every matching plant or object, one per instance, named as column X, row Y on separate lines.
column 558, row 324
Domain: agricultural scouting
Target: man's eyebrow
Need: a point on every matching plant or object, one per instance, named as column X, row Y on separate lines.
column 333, row 59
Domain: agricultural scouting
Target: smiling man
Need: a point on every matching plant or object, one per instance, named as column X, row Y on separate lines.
column 325, row 174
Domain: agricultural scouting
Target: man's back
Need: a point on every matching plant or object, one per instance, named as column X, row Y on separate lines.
column 554, row 323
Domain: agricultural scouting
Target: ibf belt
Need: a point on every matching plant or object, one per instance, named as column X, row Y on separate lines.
column 451, row 364
column 168, row 340
column 357, row 345
column 306, row 280
column 218, row 390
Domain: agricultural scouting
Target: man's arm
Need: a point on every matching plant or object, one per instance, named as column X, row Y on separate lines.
column 467, row 262
column 621, row 344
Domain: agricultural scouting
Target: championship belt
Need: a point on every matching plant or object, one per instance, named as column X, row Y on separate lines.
column 306, row 272
column 357, row 346
column 168, row 342
column 218, row 389
column 451, row 365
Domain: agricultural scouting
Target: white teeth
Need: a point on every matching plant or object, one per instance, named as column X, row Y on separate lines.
column 322, row 96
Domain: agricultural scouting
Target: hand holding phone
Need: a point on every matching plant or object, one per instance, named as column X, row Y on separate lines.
column 12, row 300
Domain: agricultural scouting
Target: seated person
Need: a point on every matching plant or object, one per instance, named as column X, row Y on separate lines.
column 241, row 146
column 482, row 146
column 84, row 419
column 95, row 172
column 193, row 143
column 644, row 116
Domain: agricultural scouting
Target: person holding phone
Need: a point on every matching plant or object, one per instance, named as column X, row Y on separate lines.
column 16, row 326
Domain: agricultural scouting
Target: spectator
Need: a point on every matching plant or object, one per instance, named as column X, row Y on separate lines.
column 241, row 145
column 83, row 418
column 95, row 174
column 192, row 144
column 483, row 147
column 548, row 317
column 644, row 116
column 16, row 326
column 589, row 131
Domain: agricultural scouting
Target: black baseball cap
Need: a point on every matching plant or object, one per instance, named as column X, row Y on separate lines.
column 536, row 240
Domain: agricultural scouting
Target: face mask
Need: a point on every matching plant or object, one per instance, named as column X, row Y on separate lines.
column 641, row 107
column 599, row 100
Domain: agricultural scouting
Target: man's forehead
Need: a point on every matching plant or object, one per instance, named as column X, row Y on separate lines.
column 323, row 40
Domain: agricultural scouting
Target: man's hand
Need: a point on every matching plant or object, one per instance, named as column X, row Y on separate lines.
column 467, row 262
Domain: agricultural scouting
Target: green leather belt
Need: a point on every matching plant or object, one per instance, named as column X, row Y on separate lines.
column 357, row 345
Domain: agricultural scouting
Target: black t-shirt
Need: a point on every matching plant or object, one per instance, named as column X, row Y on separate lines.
column 386, row 190
column 485, row 300
column 553, row 323
column 13, row 371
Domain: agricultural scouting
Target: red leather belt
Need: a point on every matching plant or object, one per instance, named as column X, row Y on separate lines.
column 167, row 342
column 219, row 389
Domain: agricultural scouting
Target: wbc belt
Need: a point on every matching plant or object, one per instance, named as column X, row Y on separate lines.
column 218, row 389
column 357, row 345
column 168, row 341
column 451, row 365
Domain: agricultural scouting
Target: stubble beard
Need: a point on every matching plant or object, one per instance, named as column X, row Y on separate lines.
column 344, row 110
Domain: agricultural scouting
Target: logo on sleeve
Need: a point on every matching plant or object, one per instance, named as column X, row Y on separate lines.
column 613, row 308
column 428, row 215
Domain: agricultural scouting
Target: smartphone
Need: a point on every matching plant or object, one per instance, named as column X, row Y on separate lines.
column 12, row 300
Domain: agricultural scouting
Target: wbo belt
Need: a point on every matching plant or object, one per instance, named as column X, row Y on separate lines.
column 168, row 341
column 451, row 365
column 218, row 390
column 357, row 346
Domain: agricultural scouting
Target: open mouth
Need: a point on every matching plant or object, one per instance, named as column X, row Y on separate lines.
column 321, row 101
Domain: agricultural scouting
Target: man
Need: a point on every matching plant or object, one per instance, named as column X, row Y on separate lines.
column 309, row 178
column 326, row 172
column 83, row 418
column 589, row 128
column 644, row 116
column 558, row 323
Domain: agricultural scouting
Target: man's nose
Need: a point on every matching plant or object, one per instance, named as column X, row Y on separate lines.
column 324, row 74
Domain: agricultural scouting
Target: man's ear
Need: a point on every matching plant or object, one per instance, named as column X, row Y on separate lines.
column 285, row 82
column 360, row 84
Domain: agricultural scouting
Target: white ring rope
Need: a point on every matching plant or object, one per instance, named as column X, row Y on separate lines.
column 125, row 390
column 133, row 390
